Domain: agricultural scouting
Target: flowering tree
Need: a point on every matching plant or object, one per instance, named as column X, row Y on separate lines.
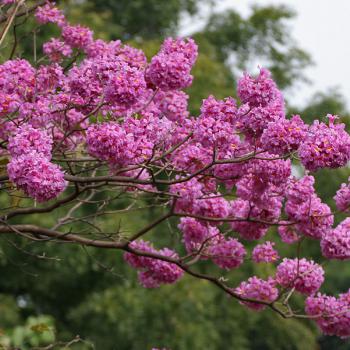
column 91, row 126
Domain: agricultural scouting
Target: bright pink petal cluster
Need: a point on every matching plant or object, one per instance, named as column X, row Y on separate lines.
column 56, row 50
column 77, row 36
column 304, row 275
column 288, row 233
column 312, row 217
column 262, row 103
column 170, row 68
column 250, row 220
column 325, row 146
column 331, row 314
column 197, row 235
column 28, row 139
column 109, row 142
column 258, row 290
column 227, row 253
column 335, row 244
column 49, row 14
column 173, row 104
column 342, row 197
column 265, row 253
column 126, row 86
column 36, row 176
column 154, row 272
column 284, row 136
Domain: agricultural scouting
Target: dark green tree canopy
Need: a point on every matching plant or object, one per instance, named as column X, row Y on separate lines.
column 147, row 19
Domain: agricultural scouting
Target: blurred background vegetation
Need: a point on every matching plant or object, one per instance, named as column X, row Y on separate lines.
column 92, row 293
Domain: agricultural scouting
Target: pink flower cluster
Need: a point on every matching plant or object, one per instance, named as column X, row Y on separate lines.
column 342, row 197
column 110, row 142
column 30, row 167
column 251, row 220
column 17, row 79
column 288, row 232
column 259, row 91
column 284, row 136
column 170, row 68
column 325, row 146
column 331, row 314
column 335, row 244
column 173, row 104
column 28, row 139
column 153, row 272
column 125, row 87
column 49, row 14
column 303, row 275
column 197, row 235
column 77, row 36
column 227, row 253
column 36, row 176
column 56, row 49
column 262, row 103
column 265, row 253
column 312, row 217
column 257, row 289
column 193, row 200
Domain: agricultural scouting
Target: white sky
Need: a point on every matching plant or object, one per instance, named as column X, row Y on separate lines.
column 322, row 28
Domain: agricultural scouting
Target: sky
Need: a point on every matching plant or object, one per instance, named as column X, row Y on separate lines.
column 322, row 29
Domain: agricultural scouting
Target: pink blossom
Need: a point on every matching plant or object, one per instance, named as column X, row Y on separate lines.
column 49, row 14
column 187, row 47
column 17, row 77
column 251, row 220
column 110, row 142
column 331, row 314
column 56, row 50
column 299, row 191
column 189, row 192
column 313, row 218
column 276, row 171
column 335, row 243
column 125, row 87
column 77, row 36
column 197, row 233
column 154, row 272
column 259, row 91
column 170, row 68
column 259, row 290
column 325, row 146
column 227, row 253
column 49, row 78
column 342, row 197
column 262, row 103
column 288, row 233
column 284, row 136
column 265, row 253
column 28, row 139
column 303, row 275
column 191, row 158
column 224, row 110
column 36, row 176
column 173, row 104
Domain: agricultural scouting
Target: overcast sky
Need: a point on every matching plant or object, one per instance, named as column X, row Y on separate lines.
column 322, row 27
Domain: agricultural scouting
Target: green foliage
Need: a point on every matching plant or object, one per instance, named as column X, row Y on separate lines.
column 263, row 35
column 190, row 315
column 36, row 331
column 139, row 18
